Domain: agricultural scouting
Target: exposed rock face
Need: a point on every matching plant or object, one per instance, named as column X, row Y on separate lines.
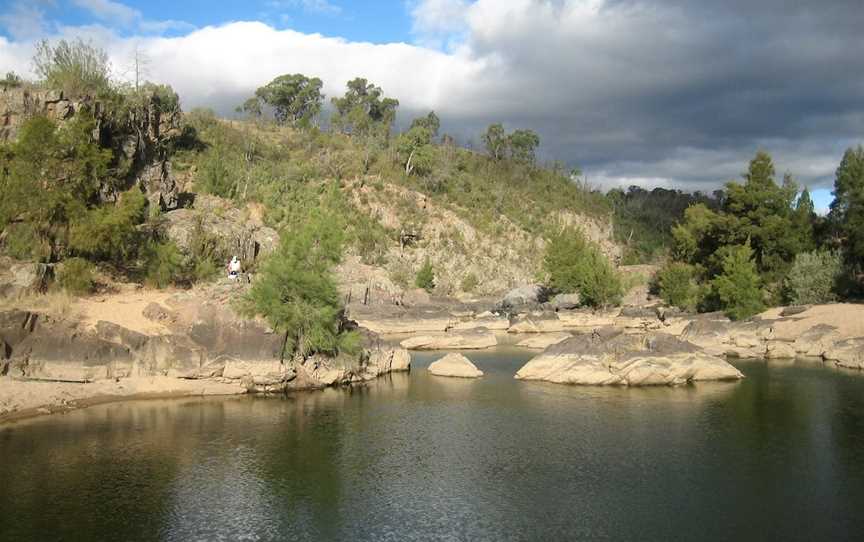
column 466, row 340
column 565, row 302
column 491, row 322
column 395, row 320
column 142, row 139
column 18, row 279
column 532, row 294
column 624, row 359
column 207, row 341
column 543, row 340
column 542, row 323
column 218, row 221
column 848, row 353
column 455, row 365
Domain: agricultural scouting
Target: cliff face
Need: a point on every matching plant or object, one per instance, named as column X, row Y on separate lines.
column 140, row 136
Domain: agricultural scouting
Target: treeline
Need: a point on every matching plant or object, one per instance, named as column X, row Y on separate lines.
column 762, row 244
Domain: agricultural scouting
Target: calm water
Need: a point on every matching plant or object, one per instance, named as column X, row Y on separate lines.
column 413, row 457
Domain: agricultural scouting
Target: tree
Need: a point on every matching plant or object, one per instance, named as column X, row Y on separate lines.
column 296, row 99
column 677, row 285
column 364, row 109
column 78, row 68
column 814, row 277
column 496, row 142
column 296, row 291
column 110, row 233
column 251, row 107
column 522, row 145
column 426, row 276
column 430, row 122
column 847, row 209
column 11, row 80
column 415, row 149
column 738, row 287
column 576, row 265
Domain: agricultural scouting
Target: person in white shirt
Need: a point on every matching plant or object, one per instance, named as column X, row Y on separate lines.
column 234, row 268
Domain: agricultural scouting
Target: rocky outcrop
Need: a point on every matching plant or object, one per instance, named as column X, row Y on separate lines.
column 455, row 365
column 225, row 229
column 543, row 340
column 465, row 340
column 531, row 294
column 623, row 359
column 17, row 104
column 18, row 279
column 396, row 320
column 206, row 341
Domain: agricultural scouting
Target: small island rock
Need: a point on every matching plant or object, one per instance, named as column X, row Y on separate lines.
column 455, row 365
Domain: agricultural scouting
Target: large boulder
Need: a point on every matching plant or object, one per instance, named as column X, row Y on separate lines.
column 617, row 358
column 542, row 341
column 531, row 294
column 465, row 340
column 848, row 353
column 18, row 279
column 455, row 365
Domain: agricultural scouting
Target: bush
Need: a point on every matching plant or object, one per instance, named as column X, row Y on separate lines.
column 164, row 264
column 109, row 233
column 75, row 276
column 814, row 277
column 24, row 243
column 426, row 277
column 677, row 285
column 738, row 287
column 575, row 265
column 469, row 283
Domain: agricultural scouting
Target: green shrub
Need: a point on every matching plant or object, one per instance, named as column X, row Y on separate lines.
column 469, row 283
column 677, row 285
column 576, row 265
column 75, row 275
column 738, row 287
column 426, row 277
column 164, row 264
column 109, row 233
column 814, row 277
column 24, row 243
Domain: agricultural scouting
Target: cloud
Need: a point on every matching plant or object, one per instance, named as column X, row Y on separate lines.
column 25, row 20
column 106, row 10
column 673, row 93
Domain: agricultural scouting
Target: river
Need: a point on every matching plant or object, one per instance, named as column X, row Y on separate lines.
column 779, row 455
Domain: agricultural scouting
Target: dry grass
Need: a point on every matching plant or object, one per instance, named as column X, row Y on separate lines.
column 57, row 304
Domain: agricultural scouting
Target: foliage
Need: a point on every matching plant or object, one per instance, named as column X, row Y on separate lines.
column 64, row 166
column 425, row 276
column 469, row 283
column 847, row 209
column 814, row 277
column 75, row 276
column 430, row 122
column 364, row 109
column 296, row 99
column 495, row 141
column 164, row 264
column 12, row 80
column 523, row 144
column 296, row 292
column 78, row 68
column 738, row 286
column 644, row 219
column 759, row 211
column 109, row 233
column 677, row 285
column 415, row 149
column 575, row 265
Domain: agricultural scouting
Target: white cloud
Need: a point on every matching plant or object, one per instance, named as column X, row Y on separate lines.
column 25, row 20
column 661, row 94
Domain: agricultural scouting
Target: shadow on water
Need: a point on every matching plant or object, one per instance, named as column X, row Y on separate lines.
column 414, row 457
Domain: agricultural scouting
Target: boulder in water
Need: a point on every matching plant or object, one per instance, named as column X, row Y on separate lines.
column 455, row 365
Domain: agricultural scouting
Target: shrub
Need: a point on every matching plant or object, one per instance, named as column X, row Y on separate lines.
column 426, row 276
column 75, row 276
column 814, row 277
column 109, row 233
column 576, row 265
column 164, row 264
column 469, row 283
column 677, row 285
column 738, row 287
column 24, row 243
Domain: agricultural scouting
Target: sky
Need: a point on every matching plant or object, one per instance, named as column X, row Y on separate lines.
column 673, row 93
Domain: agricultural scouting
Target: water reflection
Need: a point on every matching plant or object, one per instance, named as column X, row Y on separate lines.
column 415, row 456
